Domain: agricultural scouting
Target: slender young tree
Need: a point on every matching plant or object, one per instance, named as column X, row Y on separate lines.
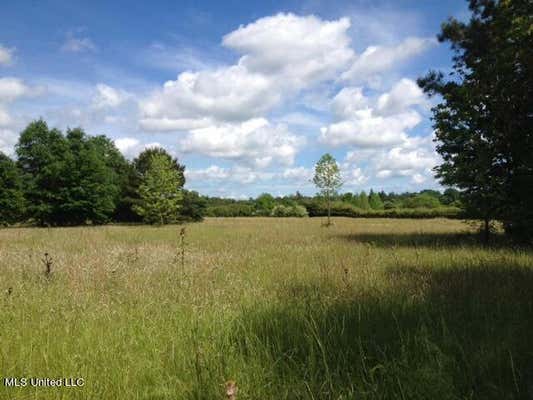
column 327, row 179
column 160, row 192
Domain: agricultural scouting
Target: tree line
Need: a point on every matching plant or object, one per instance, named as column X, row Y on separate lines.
column 73, row 179
column 423, row 204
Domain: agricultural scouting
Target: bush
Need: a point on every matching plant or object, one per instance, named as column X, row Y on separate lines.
column 300, row 211
column 288, row 211
column 422, row 201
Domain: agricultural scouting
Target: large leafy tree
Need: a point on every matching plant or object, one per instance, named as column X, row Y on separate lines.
column 68, row 180
column 11, row 195
column 484, row 122
column 123, row 175
column 327, row 179
column 41, row 157
column 160, row 192
column 92, row 186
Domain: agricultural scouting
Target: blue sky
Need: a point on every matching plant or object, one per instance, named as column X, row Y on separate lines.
column 247, row 94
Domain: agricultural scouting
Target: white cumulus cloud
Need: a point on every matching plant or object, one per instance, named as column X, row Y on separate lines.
column 225, row 112
column 403, row 94
column 301, row 50
column 226, row 94
column 281, row 55
column 367, row 122
column 378, row 59
column 255, row 141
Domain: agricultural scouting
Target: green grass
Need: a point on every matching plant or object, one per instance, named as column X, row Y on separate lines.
column 365, row 309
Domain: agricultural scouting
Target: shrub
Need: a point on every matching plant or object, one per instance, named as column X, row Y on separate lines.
column 288, row 211
column 422, row 201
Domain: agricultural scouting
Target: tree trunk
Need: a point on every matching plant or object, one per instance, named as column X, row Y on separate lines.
column 329, row 210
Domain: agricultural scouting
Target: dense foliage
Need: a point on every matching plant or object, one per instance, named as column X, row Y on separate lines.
column 159, row 192
column 425, row 204
column 77, row 179
column 484, row 122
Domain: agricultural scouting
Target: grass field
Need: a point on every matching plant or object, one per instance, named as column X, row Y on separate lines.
column 365, row 309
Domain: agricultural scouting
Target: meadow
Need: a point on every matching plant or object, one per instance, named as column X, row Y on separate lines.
column 287, row 308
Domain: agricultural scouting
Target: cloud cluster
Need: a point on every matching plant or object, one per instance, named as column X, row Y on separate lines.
column 295, row 81
column 280, row 55
column 214, row 174
column 414, row 159
column 255, row 141
column 373, row 122
column 224, row 110
column 377, row 129
column 293, row 51
column 237, row 174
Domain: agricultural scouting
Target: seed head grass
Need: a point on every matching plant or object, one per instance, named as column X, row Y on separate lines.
column 281, row 308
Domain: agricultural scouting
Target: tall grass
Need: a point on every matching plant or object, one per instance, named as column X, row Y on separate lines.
column 288, row 309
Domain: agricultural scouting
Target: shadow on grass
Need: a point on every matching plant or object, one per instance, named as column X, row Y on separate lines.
column 429, row 240
column 451, row 333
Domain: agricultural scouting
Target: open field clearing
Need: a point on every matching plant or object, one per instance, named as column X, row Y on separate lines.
column 365, row 309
